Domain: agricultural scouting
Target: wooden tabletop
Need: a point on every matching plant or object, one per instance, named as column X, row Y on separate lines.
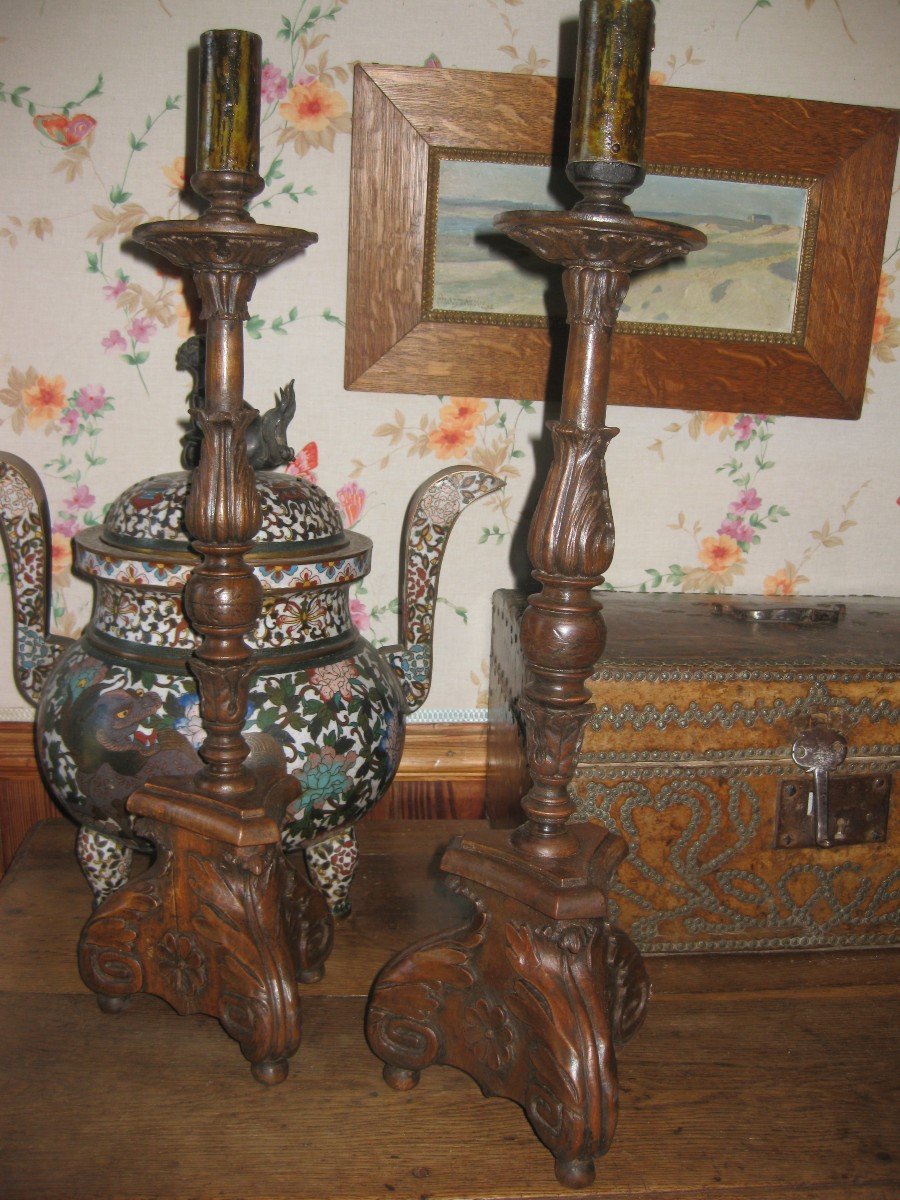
column 756, row 1077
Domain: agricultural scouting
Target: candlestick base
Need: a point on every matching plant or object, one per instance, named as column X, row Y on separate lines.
column 221, row 924
column 531, row 998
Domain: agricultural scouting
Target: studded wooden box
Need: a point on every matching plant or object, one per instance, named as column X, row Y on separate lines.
column 710, row 712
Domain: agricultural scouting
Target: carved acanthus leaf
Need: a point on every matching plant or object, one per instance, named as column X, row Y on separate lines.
column 572, row 533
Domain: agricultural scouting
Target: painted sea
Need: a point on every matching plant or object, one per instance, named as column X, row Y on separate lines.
column 746, row 278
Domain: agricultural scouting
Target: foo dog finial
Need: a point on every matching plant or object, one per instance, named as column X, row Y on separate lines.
column 267, row 447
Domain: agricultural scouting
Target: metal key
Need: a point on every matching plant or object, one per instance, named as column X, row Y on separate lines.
column 819, row 750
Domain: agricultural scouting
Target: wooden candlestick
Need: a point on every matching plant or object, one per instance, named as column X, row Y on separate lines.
column 221, row 924
column 535, row 994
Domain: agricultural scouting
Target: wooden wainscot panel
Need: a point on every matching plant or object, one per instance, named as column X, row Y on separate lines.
column 23, row 798
column 441, row 776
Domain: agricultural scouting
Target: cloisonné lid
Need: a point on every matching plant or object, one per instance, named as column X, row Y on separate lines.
column 296, row 515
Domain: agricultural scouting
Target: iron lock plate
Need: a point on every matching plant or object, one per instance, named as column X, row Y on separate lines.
column 858, row 809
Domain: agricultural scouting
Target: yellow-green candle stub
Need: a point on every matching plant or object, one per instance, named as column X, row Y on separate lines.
column 228, row 133
column 612, row 78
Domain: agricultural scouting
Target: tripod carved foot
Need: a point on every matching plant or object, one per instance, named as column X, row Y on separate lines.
column 212, row 927
column 531, row 1007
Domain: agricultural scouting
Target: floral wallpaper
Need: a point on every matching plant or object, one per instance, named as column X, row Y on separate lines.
column 93, row 119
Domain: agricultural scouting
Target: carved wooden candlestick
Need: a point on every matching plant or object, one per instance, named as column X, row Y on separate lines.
column 221, row 924
column 534, row 994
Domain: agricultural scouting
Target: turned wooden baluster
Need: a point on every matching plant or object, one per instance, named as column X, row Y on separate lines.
column 570, row 543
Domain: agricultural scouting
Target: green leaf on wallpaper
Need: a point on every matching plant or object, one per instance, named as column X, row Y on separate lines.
column 172, row 102
column 254, row 327
column 136, row 360
column 494, row 532
column 17, row 93
column 95, row 90
column 655, row 577
column 328, row 315
column 517, row 454
column 93, row 263
column 117, row 195
column 285, row 31
column 274, row 172
column 135, row 144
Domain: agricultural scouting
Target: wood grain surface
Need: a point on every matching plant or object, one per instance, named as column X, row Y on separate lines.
column 846, row 152
column 760, row 1078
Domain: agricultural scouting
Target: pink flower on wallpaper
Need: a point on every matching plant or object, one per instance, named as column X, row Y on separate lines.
column 743, row 427
column 748, row 501
column 734, row 527
column 81, row 497
column 304, row 463
column 67, row 528
column 432, row 61
column 352, row 499
column 69, row 420
column 114, row 341
column 359, row 615
column 91, row 398
column 112, row 290
column 273, row 83
column 141, row 329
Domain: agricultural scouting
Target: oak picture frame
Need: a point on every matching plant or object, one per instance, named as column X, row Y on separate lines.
column 404, row 117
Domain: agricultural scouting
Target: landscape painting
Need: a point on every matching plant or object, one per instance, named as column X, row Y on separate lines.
column 748, row 278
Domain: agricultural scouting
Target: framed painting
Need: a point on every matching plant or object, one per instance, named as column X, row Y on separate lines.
column 774, row 316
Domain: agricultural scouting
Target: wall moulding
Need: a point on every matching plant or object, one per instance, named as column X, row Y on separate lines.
column 813, row 178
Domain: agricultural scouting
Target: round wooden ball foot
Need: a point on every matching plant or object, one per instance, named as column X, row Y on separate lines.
column 575, row 1173
column 112, row 1004
column 311, row 974
column 399, row 1078
column 269, row 1073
